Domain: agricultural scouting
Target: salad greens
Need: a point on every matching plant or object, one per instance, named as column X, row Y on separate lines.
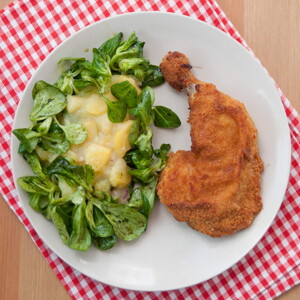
column 63, row 191
column 48, row 102
column 165, row 118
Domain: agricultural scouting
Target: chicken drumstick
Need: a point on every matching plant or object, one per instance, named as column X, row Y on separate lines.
column 215, row 187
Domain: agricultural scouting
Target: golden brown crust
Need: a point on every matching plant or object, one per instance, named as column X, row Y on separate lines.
column 215, row 187
column 176, row 68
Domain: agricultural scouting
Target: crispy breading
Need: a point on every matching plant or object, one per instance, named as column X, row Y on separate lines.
column 215, row 187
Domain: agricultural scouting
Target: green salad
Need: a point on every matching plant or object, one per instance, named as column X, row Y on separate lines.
column 63, row 190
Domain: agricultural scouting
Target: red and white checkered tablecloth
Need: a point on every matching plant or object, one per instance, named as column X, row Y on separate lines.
column 29, row 31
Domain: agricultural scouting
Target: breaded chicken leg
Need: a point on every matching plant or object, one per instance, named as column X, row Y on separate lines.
column 215, row 187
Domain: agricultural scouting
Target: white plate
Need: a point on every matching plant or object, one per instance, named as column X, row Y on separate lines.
column 170, row 255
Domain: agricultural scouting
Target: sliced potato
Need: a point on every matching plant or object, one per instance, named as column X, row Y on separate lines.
column 74, row 103
column 97, row 156
column 104, row 125
column 119, row 176
column 91, row 128
column 95, row 105
column 106, row 142
column 120, row 139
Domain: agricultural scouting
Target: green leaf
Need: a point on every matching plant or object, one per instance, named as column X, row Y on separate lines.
column 134, row 132
column 89, row 214
column 81, row 175
column 70, row 66
column 134, row 63
column 28, row 138
column 55, row 140
column 127, row 222
column 138, row 159
column 35, row 184
column 103, row 227
column 130, row 48
column 75, row 133
column 39, row 85
column 136, row 199
column 89, row 175
column 110, row 46
column 125, row 45
column 144, row 141
column 143, row 169
column 162, row 155
column 66, row 212
column 22, row 149
column 66, row 85
column 66, row 186
column 100, row 64
column 143, row 197
column 149, row 192
column 38, row 202
column 126, row 92
column 143, row 175
column 34, row 162
column 103, row 196
column 79, row 85
column 164, row 117
column 44, row 126
column 75, row 197
column 48, row 102
column 144, row 108
column 70, row 69
column 55, row 143
column 162, row 152
column 60, row 225
column 153, row 77
column 98, row 223
column 104, row 243
column 80, row 238
column 97, row 72
column 116, row 110
column 79, row 196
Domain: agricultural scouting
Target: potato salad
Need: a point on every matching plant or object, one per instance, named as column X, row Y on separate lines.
column 106, row 143
column 89, row 145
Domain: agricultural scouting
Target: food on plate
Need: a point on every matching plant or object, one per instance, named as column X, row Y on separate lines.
column 106, row 142
column 89, row 145
column 215, row 187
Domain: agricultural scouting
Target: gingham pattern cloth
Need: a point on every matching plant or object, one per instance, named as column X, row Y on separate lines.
column 29, row 31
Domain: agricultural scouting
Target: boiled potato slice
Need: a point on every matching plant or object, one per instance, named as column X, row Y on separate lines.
column 91, row 128
column 119, row 176
column 97, row 156
column 120, row 139
column 104, row 125
column 74, row 103
column 95, row 105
